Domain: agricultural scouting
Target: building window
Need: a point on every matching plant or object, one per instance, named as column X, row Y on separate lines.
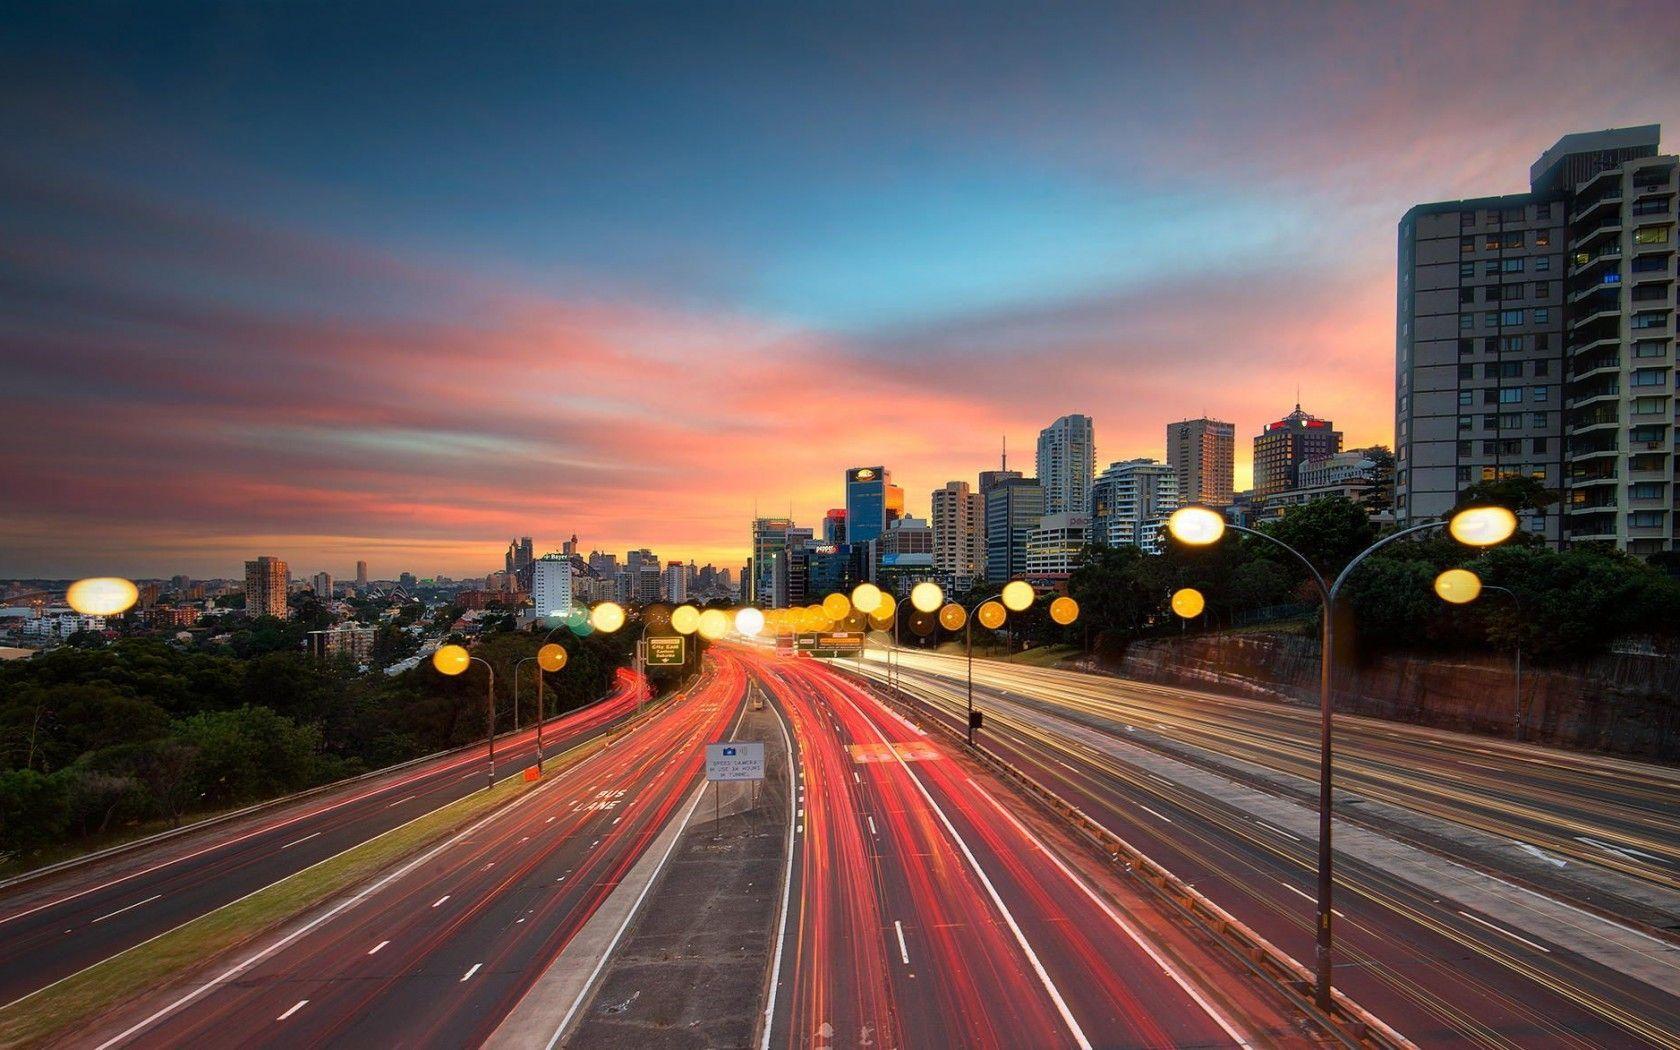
column 1490, row 421
column 1646, row 519
column 1490, row 318
column 1511, row 291
column 1490, row 345
column 1466, row 346
column 1464, row 422
column 1542, row 289
column 1464, row 448
column 1466, row 219
column 1543, row 263
column 1542, row 367
column 1466, row 295
column 1511, row 396
column 1542, row 314
column 1541, row 393
column 1466, row 322
column 1513, row 316
column 1490, row 370
column 1650, row 377
column 1510, row 344
column 1490, row 473
column 1466, row 371
column 1467, row 244
column 1542, row 238
column 1465, row 397
column 1644, row 293
column 1510, row 369
column 1542, row 340
column 1540, row 420
column 1539, row 446
column 1651, row 235
column 1650, row 319
column 1466, row 269
column 1646, row 490
column 1510, row 420
column 1650, row 264
column 1646, row 348
column 1462, row 475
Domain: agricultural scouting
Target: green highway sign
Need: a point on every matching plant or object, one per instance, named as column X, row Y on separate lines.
column 667, row 651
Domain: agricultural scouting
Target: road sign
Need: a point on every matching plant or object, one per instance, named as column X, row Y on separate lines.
column 830, row 641
column 667, row 651
column 736, row 760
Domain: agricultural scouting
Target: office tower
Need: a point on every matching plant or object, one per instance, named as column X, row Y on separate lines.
column 769, row 536
column 834, row 527
column 1284, row 445
column 323, row 584
column 676, row 582
column 407, row 582
column 872, row 500
column 1055, row 547
column 1535, row 337
column 361, row 576
column 1203, row 452
column 266, row 582
column 959, row 534
column 1129, row 501
column 551, row 586
column 1013, row 508
column 570, row 547
column 1067, row 461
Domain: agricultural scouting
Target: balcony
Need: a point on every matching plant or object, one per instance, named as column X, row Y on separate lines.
column 1584, row 480
column 1591, row 342
column 1613, row 198
column 1594, row 507
column 1600, row 312
column 1600, row 365
column 1580, row 262
column 1611, row 282
column 1611, row 228
column 1590, row 452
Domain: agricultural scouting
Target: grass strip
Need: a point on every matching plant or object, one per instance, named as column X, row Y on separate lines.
column 84, row 995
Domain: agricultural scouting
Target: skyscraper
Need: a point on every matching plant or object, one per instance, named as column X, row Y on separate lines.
column 959, row 534
column 676, row 582
column 361, row 576
column 834, row 526
column 266, row 582
column 1013, row 508
column 872, row 500
column 1130, row 499
column 1202, row 452
column 1286, row 444
column 551, row 586
column 769, row 537
column 323, row 585
column 1535, row 337
column 518, row 562
column 1067, row 460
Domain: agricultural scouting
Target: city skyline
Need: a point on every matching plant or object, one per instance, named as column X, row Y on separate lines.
column 1203, row 254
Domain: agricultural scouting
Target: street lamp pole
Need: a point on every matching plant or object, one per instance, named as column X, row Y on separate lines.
column 1522, row 715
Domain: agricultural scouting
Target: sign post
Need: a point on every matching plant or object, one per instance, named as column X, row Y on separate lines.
column 667, row 651
column 732, row 760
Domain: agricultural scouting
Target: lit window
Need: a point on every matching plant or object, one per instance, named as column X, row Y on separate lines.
column 1511, row 395
column 1512, row 316
column 1651, row 235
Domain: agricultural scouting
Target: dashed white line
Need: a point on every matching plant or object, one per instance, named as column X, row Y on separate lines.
column 1508, row 933
column 136, row 904
column 400, row 801
column 1279, row 831
column 300, row 1004
column 1158, row 816
column 440, row 900
column 1299, row 893
column 468, row 975
column 294, row 842
column 871, row 820
column 378, row 946
column 903, row 950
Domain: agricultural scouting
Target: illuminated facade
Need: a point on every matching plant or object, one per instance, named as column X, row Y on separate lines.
column 1281, row 448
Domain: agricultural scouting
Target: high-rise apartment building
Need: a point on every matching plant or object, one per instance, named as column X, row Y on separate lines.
column 1203, row 453
column 1130, row 499
column 872, row 501
column 769, row 538
column 1067, row 461
column 676, row 582
column 361, row 576
column 1013, row 509
column 551, row 586
column 323, row 584
column 959, row 534
column 1283, row 446
column 266, row 582
column 1535, row 337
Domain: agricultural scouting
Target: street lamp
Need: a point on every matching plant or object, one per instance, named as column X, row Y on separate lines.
column 1016, row 596
column 926, row 597
column 453, row 660
column 550, row 657
column 102, row 595
column 1461, row 587
column 1481, row 526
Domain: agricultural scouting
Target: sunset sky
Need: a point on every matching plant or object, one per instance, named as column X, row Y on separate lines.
column 399, row 284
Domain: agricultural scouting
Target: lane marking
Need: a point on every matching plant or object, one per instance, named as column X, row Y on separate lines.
column 1623, row 851
column 440, row 900
column 1543, row 855
column 378, row 946
column 300, row 1004
column 872, row 830
column 466, row 976
column 787, row 888
column 136, row 904
column 1161, row 816
column 294, row 842
column 1119, row 920
column 903, row 951
column 1279, row 831
column 1508, row 933
column 1307, row 896
column 400, row 801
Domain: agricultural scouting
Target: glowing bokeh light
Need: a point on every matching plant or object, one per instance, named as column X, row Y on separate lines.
column 551, row 657
column 102, row 595
column 450, row 659
column 1458, row 586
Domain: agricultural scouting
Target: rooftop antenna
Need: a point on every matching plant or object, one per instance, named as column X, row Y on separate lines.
column 1005, row 466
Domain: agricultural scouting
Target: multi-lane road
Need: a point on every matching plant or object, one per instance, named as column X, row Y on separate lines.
column 436, row 953
column 928, row 913
column 1445, row 953
column 58, row 925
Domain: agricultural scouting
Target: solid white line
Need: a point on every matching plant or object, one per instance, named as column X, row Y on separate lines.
column 300, row 1004
column 903, row 951
column 119, row 911
column 991, row 891
column 1162, row 816
column 440, row 900
column 378, row 946
column 787, row 889
column 1280, row 831
column 294, row 842
column 1508, row 933
column 466, row 976
column 1119, row 920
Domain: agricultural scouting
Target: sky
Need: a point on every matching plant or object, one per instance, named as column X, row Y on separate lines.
column 397, row 283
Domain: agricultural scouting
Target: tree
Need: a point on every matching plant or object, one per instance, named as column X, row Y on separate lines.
column 33, row 810
column 1329, row 532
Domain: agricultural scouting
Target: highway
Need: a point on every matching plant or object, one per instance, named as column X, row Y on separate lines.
column 928, row 913
column 438, row 954
column 58, row 925
column 1412, row 951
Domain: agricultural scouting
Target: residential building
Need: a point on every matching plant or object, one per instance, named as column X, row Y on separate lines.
column 1535, row 337
column 1053, row 549
column 1013, row 508
column 323, row 584
column 551, row 586
column 769, row 537
column 1284, row 445
column 1128, row 497
column 676, row 582
column 1202, row 452
column 1353, row 475
column 959, row 534
column 266, row 582
column 1067, row 462
column 348, row 640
